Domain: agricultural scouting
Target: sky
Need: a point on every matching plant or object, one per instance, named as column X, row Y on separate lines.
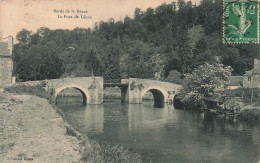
column 33, row 14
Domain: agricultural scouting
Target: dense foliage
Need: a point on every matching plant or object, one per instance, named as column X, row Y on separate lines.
column 177, row 36
column 250, row 116
column 203, row 82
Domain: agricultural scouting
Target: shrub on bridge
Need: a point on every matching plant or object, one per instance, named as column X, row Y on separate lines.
column 37, row 90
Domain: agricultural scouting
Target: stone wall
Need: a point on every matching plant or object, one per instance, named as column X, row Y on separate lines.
column 6, row 63
column 256, row 80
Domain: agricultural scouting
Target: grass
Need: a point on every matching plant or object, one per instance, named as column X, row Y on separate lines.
column 96, row 152
column 37, row 90
column 109, row 153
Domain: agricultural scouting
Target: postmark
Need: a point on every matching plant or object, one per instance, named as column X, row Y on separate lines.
column 241, row 21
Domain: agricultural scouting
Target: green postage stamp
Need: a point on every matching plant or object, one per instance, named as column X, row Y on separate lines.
column 241, row 21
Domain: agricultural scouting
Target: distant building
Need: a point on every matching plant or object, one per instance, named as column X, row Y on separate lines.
column 235, row 82
column 251, row 79
column 6, row 63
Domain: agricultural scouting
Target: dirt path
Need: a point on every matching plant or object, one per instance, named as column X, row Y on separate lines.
column 32, row 131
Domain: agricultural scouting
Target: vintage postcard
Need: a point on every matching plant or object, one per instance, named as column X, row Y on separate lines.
column 125, row 81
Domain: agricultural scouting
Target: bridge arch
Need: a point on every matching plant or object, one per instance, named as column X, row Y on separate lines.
column 83, row 91
column 160, row 95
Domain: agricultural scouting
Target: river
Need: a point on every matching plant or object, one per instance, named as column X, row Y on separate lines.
column 164, row 134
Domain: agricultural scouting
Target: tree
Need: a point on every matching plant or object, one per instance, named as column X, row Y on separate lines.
column 38, row 63
column 24, row 36
column 157, row 65
column 184, row 51
column 203, row 82
column 185, row 36
column 174, row 77
column 140, row 60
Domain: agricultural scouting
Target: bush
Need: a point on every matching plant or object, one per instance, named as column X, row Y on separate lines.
column 250, row 116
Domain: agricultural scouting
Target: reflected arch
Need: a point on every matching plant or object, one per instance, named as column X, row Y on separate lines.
column 84, row 92
column 177, row 103
column 159, row 95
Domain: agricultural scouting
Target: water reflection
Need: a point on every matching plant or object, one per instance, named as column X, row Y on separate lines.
column 94, row 118
column 145, row 117
column 166, row 134
column 115, row 122
column 89, row 117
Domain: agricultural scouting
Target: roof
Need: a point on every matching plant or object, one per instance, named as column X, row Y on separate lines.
column 248, row 73
column 235, row 80
column 232, row 100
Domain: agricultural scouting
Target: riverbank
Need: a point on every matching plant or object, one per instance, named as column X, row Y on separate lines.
column 31, row 130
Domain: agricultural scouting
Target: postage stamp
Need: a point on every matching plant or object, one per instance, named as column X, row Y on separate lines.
column 241, row 21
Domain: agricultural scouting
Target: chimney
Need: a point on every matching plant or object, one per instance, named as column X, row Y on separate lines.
column 10, row 44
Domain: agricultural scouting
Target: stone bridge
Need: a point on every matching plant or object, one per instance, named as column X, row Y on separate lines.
column 91, row 88
column 163, row 92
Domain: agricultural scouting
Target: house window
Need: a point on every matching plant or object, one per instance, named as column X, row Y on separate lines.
column 249, row 79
